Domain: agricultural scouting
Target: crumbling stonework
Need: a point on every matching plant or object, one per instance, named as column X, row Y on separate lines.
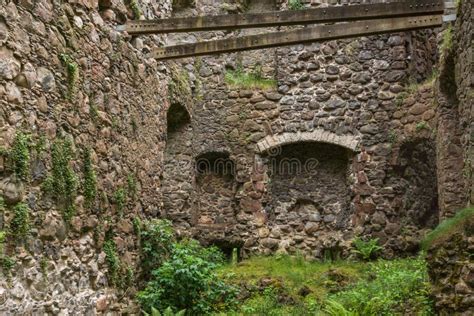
column 356, row 97
column 112, row 105
column 451, row 271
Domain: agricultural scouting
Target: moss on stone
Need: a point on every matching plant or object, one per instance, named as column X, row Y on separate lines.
column 449, row 227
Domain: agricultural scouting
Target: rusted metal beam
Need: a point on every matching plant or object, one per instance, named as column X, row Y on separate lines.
column 281, row 18
column 304, row 35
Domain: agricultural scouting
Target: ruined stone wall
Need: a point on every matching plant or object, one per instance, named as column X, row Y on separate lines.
column 115, row 105
column 340, row 93
column 454, row 94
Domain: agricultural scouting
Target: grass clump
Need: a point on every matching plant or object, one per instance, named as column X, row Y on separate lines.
column 239, row 78
column 62, row 183
column 421, row 126
column 394, row 287
column 20, row 223
column 295, row 5
column 448, row 227
column 90, row 178
column 72, row 69
column 448, row 40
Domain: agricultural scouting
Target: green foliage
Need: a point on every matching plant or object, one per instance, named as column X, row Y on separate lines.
column 156, row 240
column 392, row 137
column 334, row 308
column 62, row 183
column 20, row 155
column 178, row 87
column 119, row 199
column 8, row 263
column 367, row 250
column 295, row 5
column 421, row 126
column 20, row 223
column 398, row 285
column 90, row 179
column 447, row 42
column 113, row 262
column 187, row 280
column 72, row 69
column 166, row 312
column 449, row 226
column 132, row 187
column 137, row 12
column 242, row 79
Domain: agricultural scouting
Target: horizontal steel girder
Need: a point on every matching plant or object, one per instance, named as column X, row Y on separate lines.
column 304, row 35
column 282, row 18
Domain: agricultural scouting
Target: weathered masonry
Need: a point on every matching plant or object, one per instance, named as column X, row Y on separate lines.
column 333, row 149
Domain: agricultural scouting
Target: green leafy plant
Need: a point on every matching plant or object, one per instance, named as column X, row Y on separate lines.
column 20, row 155
column 421, row 126
column 72, row 69
column 119, row 199
column 367, row 250
column 166, row 312
column 295, row 4
column 137, row 12
column 90, row 179
column 8, row 263
column 62, row 183
column 113, row 261
column 187, row 280
column 156, row 239
column 20, row 223
column 334, row 308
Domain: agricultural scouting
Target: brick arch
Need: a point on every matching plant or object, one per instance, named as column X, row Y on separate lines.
column 273, row 141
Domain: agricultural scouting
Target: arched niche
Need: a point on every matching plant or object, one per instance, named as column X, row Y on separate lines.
column 215, row 190
column 178, row 165
column 309, row 188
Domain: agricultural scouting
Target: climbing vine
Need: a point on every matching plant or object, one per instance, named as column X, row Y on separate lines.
column 62, row 183
column 20, row 155
column 20, row 223
column 90, row 178
column 72, row 69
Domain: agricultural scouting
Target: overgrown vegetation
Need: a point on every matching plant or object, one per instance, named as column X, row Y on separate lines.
column 447, row 42
column 72, row 69
column 449, row 226
column 295, row 5
column 6, row 262
column 62, row 183
column 119, row 199
column 183, row 274
column 242, row 79
column 20, row 223
column 90, row 179
column 133, row 5
column 284, row 285
column 113, row 261
column 367, row 250
column 132, row 186
column 19, row 155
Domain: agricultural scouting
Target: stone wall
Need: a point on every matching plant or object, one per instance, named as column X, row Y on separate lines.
column 451, row 270
column 455, row 131
column 353, row 93
column 115, row 105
